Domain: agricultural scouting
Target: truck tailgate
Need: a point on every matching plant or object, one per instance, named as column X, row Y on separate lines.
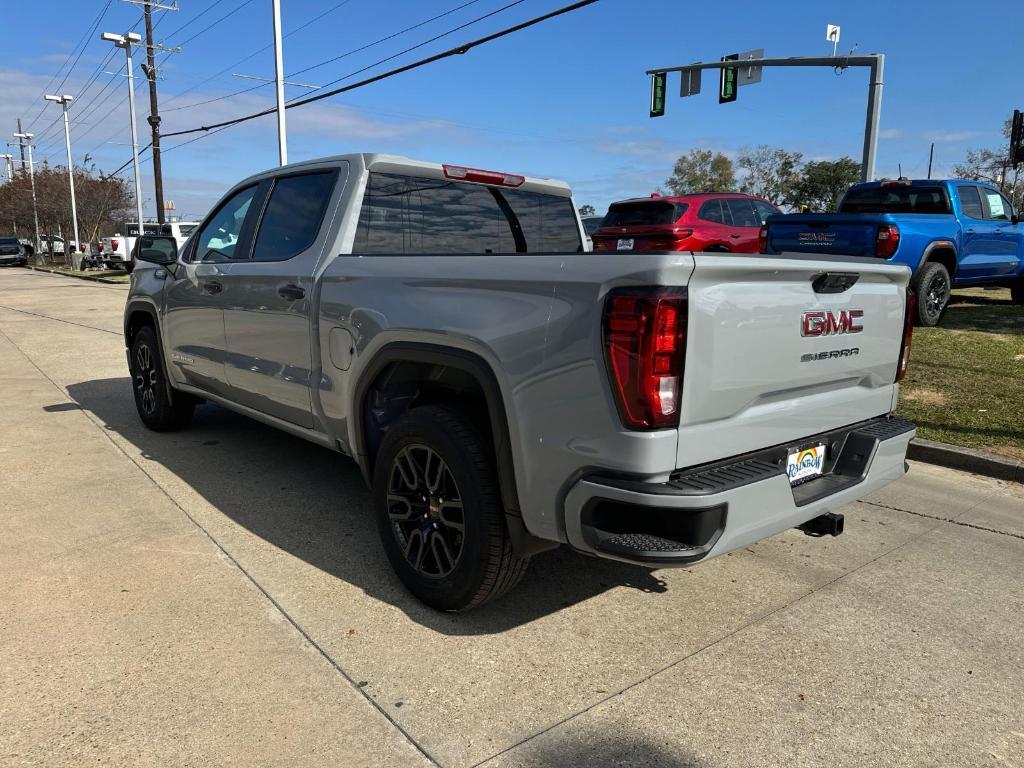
column 832, row 234
column 772, row 356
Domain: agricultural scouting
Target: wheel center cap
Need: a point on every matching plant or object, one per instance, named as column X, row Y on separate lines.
column 434, row 507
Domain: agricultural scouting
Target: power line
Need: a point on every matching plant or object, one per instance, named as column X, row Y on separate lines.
column 255, row 53
column 457, row 51
column 83, row 43
column 358, row 50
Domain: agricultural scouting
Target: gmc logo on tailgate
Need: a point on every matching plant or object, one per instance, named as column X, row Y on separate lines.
column 831, row 323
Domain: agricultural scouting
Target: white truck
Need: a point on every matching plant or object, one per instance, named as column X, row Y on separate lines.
column 115, row 252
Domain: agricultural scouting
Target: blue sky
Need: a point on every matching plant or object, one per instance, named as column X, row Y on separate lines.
column 566, row 99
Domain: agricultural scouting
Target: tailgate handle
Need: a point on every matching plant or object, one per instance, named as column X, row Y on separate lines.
column 834, row 282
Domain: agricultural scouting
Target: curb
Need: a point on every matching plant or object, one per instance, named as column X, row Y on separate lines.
column 93, row 278
column 966, row 459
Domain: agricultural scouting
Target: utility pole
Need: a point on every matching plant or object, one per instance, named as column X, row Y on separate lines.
column 26, row 138
column 22, row 149
column 76, row 259
column 282, row 136
column 931, row 156
column 126, row 41
column 9, row 158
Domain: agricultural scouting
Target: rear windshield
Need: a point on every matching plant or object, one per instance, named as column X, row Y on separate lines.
column 912, row 199
column 643, row 214
column 408, row 215
column 9, row 241
column 592, row 223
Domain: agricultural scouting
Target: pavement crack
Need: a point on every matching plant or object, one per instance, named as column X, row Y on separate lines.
column 231, row 558
column 952, row 520
column 55, row 319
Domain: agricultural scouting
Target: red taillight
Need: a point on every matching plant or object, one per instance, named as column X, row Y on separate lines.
column 887, row 240
column 484, row 177
column 99, row 246
column 113, row 245
column 762, row 239
column 645, row 348
column 908, row 332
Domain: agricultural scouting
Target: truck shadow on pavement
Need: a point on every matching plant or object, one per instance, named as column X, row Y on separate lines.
column 313, row 504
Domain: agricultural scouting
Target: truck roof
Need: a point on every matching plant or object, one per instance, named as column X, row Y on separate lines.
column 387, row 163
column 920, row 182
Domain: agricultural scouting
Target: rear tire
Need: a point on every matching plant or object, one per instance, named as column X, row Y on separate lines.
column 439, row 511
column 932, row 286
column 1017, row 292
column 149, row 384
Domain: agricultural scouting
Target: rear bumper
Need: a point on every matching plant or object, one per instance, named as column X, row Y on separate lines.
column 707, row 511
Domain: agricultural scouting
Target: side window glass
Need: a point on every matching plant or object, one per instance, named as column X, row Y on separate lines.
column 293, row 215
column 970, row 201
column 763, row 211
column 711, row 211
column 219, row 238
column 997, row 208
column 742, row 213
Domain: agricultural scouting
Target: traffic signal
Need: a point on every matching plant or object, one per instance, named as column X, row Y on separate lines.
column 1017, row 138
column 659, row 83
column 727, row 77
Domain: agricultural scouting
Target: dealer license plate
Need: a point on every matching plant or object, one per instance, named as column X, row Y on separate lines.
column 805, row 463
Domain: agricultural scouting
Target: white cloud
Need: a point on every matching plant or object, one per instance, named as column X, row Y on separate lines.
column 951, row 135
column 890, row 133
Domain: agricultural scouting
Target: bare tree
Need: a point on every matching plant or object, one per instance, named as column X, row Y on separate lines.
column 771, row 173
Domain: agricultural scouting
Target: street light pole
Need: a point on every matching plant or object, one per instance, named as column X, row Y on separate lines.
column 23, row 139
column 10, row 166
column 282, row 137
column 76, row 258
column 126, row 41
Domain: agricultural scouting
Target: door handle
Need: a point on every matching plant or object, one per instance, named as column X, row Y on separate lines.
column 291, row 292
column 735, row 235
column 969, row 231
column 212, row 287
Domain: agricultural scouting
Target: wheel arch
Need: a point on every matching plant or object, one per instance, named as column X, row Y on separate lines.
column 137, row 314
column 942, row 252
column 439, row 367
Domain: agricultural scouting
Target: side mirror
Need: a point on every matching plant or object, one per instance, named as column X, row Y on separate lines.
column 157, row 249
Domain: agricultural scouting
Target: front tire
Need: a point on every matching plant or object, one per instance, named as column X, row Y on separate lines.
column 439, row 511
column 933, row 287
column 149, row 384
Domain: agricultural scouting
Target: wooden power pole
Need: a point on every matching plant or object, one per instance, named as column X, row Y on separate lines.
column 154, row 110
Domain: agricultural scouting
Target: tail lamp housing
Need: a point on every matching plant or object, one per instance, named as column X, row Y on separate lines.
column 908, row 333
column 645, row 351
column 762, row 239
column 887, row 240
column 113, row 245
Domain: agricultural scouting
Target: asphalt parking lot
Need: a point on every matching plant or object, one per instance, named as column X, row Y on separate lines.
column 219, row 597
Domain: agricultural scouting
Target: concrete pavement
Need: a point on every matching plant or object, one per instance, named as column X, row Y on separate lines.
column 218, row 596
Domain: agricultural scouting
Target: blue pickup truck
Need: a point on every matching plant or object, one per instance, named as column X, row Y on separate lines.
column 953, row 234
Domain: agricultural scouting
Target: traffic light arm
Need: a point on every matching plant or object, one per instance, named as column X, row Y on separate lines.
column 874, row 61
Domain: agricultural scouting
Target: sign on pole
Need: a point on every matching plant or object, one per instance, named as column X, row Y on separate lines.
column 658, row 82
column 690, row 86
column 727, row 80
column 750, row 75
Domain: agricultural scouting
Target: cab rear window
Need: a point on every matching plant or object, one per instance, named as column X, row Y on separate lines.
column 654, row 213
column 408, row 215
column 896, row 199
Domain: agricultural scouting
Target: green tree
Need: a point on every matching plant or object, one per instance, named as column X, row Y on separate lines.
column 823, row 182
column 587, row 210
column 772, row 173
column 702, row 171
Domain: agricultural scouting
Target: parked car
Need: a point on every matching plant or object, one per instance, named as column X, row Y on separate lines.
column 117, row 249
column 590, row 225
column 705, row 222
column 12, row 252
column 952, row 234
column 504, row 392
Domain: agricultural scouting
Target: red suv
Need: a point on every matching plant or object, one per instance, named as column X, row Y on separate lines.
column 705, row 222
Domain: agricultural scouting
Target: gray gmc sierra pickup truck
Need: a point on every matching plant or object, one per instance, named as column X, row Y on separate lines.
column 504, row 391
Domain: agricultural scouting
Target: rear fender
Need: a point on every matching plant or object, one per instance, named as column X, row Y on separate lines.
column 942, row 251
